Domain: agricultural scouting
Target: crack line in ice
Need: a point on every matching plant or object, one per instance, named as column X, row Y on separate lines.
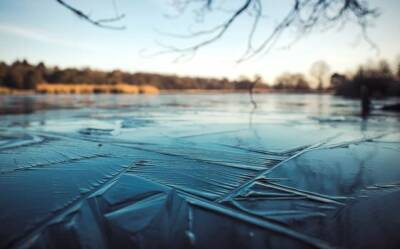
column 211, row 133
column 307, row 194
column 222, row 163
column 269, row 225
column 51, row 163
column 260, row 175
column 71, row 205
column 274, row 213
column 365, row 138
column 282, row 155
column 16, row 143
column 265, row 222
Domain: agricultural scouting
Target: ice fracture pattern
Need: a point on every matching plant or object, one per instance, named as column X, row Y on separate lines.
column 197, row 171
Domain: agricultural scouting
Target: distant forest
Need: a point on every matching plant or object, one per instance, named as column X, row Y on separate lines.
column 23, row 75
column 380, row 79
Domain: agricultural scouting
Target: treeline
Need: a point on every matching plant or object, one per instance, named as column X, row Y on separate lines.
column 23, row 75
column 379, row 80
column 296, row 82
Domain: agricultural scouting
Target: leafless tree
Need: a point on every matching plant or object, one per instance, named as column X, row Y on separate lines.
column 292, row 81
column 305, row 15
column 319, row 70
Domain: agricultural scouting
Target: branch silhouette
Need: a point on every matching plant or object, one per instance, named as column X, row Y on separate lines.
column 102, row 23
column 305, row 15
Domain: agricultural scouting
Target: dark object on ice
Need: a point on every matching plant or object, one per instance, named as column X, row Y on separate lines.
column 95, row 131
column 394, row 107
column 365, row 101
column 133, row 122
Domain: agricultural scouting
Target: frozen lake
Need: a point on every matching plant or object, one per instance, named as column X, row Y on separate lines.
column 197, row 171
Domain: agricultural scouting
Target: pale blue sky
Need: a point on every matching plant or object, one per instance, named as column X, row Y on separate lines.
column 41, row 30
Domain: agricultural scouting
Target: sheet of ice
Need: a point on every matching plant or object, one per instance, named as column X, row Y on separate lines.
column 341, row 171
column 197, row 171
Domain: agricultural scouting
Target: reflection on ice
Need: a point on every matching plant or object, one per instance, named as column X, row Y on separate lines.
column 197, row 171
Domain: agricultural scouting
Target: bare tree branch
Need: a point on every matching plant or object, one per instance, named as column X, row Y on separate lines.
column 217, row 31
column 103, row 23
column 305, row 15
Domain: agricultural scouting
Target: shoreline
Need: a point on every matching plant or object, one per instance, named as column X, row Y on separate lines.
column 134, row 90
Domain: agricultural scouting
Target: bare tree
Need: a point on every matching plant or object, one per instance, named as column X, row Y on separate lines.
column 319, row 71
column 292, row 81
column 305, row 15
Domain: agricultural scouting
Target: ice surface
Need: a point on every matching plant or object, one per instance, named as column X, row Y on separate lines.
column 197, row 171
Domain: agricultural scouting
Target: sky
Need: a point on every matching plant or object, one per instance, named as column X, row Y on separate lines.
column 42, row 30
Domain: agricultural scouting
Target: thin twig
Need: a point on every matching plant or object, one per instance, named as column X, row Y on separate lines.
column 103, row 23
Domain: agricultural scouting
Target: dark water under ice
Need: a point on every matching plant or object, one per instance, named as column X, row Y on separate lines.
column 197, row 171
